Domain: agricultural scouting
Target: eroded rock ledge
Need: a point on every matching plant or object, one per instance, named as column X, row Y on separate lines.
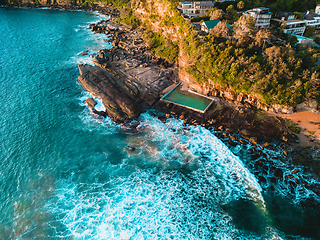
column 127, row 77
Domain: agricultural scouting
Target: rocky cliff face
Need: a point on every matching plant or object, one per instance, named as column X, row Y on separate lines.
column 119, row 105
column 173, row 30
column 126, row 76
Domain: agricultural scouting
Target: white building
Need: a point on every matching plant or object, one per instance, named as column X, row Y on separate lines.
column 285, row 16
column 317, row 10
column 294, row 27
column 262, row 16
column 196, row 9
column 312, row 19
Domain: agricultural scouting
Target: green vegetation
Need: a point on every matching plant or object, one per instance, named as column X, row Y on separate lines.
column 163, row 48
column 317, row 40
column 117, row 3
column 198, row 19
column 280, row 75
column 309, row 31
column 127, row 17
column 293, row 126
column 274, row 5
column 312, row 133
column 277, row 75
column 293, row 40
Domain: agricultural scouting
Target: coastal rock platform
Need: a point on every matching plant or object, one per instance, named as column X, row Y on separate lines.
column 127, row 77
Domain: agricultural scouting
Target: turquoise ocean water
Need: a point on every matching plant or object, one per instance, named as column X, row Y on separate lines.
column 66, row 174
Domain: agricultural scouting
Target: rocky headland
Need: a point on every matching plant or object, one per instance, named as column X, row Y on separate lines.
column 129, row 79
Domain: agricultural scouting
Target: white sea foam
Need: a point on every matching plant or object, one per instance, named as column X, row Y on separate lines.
column 81, row 60
column 141, row 203
column 85, row 95
column 97, row 123
column 101, row 16
column 99, row 106
column 97, row 42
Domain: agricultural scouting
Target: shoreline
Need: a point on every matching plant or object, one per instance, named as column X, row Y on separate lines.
column 309, row 123
column 260, row 128
column 84, row 156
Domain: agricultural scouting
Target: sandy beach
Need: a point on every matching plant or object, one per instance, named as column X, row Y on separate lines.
column 309, row 122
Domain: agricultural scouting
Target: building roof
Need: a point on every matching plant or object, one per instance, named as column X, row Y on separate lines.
column 204, row 4
column 310, row 15
column 260, row 10
column 211, row 24
column 294, row 21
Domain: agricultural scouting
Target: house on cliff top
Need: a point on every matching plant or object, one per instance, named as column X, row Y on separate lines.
column 262, row 16
column 195, row 8
column 207, row 25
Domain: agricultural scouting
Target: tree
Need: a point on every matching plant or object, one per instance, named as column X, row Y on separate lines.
column 220, row 30
column 293, row 40
column 261, row 36
column 216, row 14
column 240, row 5
column 230, row 8
column 314, row 83
column 299, row 15
column 317, row 40
column 232, row 13
column 244, row 28
column 309, row 31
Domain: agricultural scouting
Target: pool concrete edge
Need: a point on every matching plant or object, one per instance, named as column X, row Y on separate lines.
column 185, row 106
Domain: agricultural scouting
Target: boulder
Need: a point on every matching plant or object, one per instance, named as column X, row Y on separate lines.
column 229, row 95
column 119, row 106
column 276, row 108
column 240, row 97
column 91, row 102
column 84, row 53
column 311, row 104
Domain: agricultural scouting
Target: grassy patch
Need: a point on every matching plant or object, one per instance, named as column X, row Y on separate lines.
column 293, row 126
column 162, row 47
column 312, row 133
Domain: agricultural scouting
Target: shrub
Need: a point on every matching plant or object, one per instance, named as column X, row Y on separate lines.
column 162, row 47
column 127, row 17
column 317, row 40
column 293, row 126
column 198, row 19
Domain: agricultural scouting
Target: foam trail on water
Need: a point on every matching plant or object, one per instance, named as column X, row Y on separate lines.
column 86, row 95
column 200, row 142
column 172, row 186
column 99, row 106
column 97, row 42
